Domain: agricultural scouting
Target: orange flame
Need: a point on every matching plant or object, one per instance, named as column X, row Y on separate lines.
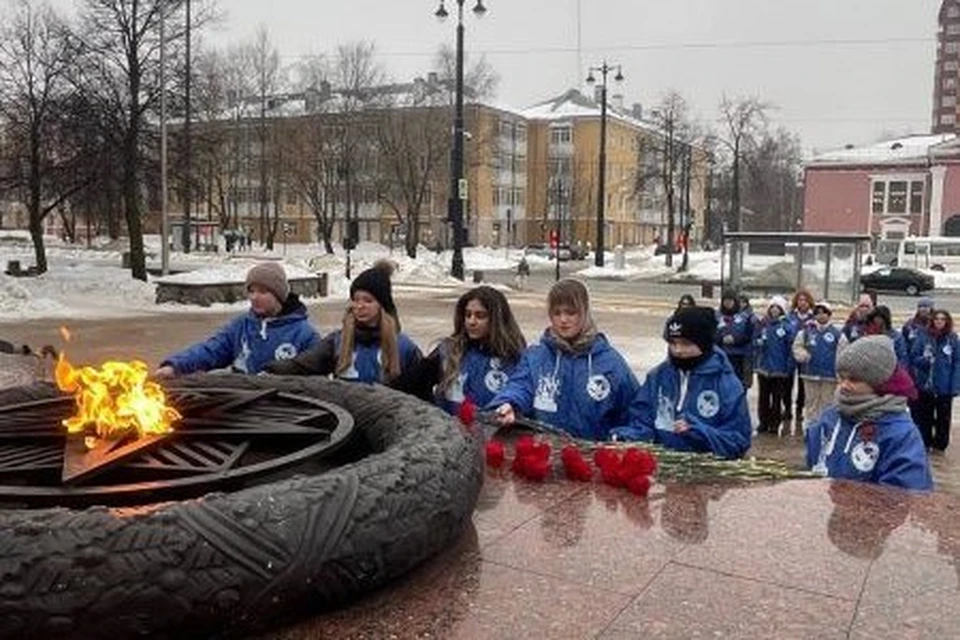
column 116, row 400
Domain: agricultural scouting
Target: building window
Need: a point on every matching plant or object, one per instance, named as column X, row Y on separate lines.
column 950, row 47
column 953, row 11
column 291, row 198
column 561, row 135
column 916, row 196
column 949, row 83
column 950, row 65
column 948, row 101
column 953, row 29
column 897, row 197
column 879, row 196
column 521, row 132
column 948, row 118
column 506, row 128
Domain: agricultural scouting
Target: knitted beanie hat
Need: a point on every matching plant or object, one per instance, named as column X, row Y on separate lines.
column 870, row 359
column 270, row 276
column 925, row 302
column 824, row 306
column 696, row 324
column 778, row 301
column 376, row 282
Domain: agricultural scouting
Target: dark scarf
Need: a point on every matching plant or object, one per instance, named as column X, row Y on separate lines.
column 868, row 406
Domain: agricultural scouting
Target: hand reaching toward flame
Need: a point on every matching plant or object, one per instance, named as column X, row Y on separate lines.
column 164, row 372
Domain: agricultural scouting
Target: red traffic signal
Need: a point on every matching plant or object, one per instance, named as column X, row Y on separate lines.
column 553, row 238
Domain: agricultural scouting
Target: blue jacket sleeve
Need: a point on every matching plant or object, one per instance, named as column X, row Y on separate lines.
column 731, row 439
column 215, row 352
column 905, row 464
column 955, row 369
column 641, row 415
column 900, row 347
column 518, row 391
column 813, row 439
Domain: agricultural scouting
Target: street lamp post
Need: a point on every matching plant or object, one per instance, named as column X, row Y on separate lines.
column 603, row 69
column 458, row 184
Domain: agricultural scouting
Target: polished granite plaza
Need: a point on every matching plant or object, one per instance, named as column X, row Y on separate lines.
column 795, row 559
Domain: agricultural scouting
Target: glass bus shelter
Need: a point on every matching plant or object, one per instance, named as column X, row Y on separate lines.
column 828, row 265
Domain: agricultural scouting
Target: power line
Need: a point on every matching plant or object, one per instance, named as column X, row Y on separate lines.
column 675, row 46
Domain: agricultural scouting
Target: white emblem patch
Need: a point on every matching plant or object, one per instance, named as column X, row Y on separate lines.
column 674, row 328
column 781, row 332
column 598, row 387
column 864, row 456
column 286, row 351
column 828, row 337
column 708, row 404
column 495, row 380
column 947, row 350
column 546, row 397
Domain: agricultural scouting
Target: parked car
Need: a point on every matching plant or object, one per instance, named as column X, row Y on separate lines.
column 546, row 251
column 910, row 281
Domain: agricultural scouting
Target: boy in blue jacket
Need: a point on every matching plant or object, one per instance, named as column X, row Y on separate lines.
column 935, row 366
column 275, row 328
column 694, row 400
column 735, row 335
column 573, row 379
column 868, row 435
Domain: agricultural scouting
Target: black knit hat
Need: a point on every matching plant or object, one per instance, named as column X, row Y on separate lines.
column 696, row 324
column 376, row 282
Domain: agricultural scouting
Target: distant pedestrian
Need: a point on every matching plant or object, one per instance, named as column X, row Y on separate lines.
column 879, row 322
column 855, row 327
column 735, row 334
column 801, row 314
column 918, row 323
column 523, row 273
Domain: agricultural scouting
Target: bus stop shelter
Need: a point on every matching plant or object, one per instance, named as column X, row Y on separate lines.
column 828, row 265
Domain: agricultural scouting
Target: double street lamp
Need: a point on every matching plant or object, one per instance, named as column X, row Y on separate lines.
column 603, row 70
column 458, row 184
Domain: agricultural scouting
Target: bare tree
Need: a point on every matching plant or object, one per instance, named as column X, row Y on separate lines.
column 773, row 166
column 663, row 158
column 264, row 64
column 36, row 56
column 741, row 119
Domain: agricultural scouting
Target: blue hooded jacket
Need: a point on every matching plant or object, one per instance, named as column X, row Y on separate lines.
column 585, row 394
column 248, row 342
column 710, row 398
column 366, row 365
column 893, row 454
column 820, row 341
column 482, row 377
column 738, row 325
column 775, row 348
column 935, row 363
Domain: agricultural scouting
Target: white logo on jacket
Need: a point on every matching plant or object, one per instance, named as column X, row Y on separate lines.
column 546, row 396
column 708, row 404
column 286, row 351
column 598, row 387
column 495, row 379
column 864, row 456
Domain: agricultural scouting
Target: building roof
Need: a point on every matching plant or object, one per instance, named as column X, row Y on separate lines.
column 899, row 151
column 573, row 104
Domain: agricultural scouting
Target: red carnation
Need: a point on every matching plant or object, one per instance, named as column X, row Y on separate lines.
column 535, row 469
column 575, row 465
column 639, row 485
column 632, row 464
column 467, row 412
column 648, row 463
column 524, row 446
column 540, row 451
column 496, row 453
column 612, row 475
column 606, row 457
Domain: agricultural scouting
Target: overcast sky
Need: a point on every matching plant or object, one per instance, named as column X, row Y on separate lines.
column 839, row 71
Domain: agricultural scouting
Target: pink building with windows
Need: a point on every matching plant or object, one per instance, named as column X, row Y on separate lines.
column 893, row 189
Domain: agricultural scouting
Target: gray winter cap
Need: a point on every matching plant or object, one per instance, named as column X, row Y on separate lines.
column 870, row 359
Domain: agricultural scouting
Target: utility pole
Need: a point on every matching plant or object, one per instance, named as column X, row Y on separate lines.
column 164, row 213
column 187, row 144
column 603, row 69
column 559, row 235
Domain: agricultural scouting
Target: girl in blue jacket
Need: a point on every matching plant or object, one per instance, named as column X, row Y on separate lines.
column 868, row 435
column 476, row 361
column 815, row 350
column 274, row 329
column 775, row 364
column 370, row 347
column 573, row 379
column 693, row 401
column 735, row 334
column 935, row 366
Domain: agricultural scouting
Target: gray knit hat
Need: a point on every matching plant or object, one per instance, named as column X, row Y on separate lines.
column 870, row 359
column 272, row 277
